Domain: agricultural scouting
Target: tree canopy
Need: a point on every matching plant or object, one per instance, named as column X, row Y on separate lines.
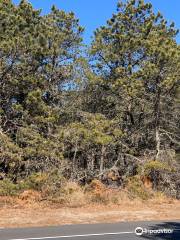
column 82, row 114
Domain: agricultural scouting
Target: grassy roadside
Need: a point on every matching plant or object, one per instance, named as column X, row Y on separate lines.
column 49, row 199
column 31, row 212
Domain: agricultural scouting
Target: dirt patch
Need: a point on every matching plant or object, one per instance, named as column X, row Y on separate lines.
column 21, row 213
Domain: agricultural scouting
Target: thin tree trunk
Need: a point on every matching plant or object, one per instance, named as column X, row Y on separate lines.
column 74, row 159
column 158, row 142
column 92, row 161
column 103, row 149
column 157, row 120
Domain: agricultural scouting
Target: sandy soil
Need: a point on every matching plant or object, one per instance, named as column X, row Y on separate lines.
column 26, row 214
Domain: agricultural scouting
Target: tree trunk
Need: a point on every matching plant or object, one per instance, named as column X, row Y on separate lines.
column 103, row 149
column 74, row 158
column 158, row 142
column 157, row 119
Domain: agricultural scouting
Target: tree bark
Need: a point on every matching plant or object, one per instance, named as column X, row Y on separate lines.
column 103, row 149
column 74, row 158
column 158, row 142
column 157, row 119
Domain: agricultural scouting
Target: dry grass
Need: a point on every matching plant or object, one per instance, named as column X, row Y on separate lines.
column 90, row 204
column 72, row 195
column 22, row 213
column 30, row 195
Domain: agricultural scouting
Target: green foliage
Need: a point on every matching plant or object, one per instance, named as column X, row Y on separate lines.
column 47, row 151
column 136, row 59
column 7, row 188
column 154, row 165
column 95, row 129
column 36, row 181
column 78, row 114
column 49, row 184
column 10, row 154
column 136, row 189
column 38, row 54
column 157, row 166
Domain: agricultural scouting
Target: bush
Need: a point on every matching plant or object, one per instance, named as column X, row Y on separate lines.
column 156, row 166
column 97, row 192
column 95, row 186
column 48, row 184
column 30, row 195
column 70, row 194
column 7, row 188
column 36, row 181
column 136, row 189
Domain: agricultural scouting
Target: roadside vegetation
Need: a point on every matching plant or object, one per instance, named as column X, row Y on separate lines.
column 97, row 124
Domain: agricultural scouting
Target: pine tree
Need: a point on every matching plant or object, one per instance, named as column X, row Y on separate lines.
column 38, row 56
column 137, row 59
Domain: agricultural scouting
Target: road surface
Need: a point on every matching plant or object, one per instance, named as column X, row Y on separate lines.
column 115, row 231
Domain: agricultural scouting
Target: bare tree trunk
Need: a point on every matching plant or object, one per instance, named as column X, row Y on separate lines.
column 74, row 158
column 157, row 119
column 103, row 149
column 92, row 161
column 158, row 142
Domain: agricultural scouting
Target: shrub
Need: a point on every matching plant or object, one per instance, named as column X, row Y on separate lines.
column 75, row 196
column 95, row 186
column 97, row 192
column 30, row 195
column 70, row 194
column 48, row 183
column 36, row 181
column 7, row 188
column 136, row 189
column 157, row 166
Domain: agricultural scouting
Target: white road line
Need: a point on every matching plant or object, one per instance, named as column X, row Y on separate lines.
column 75, row 236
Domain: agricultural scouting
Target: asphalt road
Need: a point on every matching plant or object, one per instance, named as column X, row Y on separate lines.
column 115, row 231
